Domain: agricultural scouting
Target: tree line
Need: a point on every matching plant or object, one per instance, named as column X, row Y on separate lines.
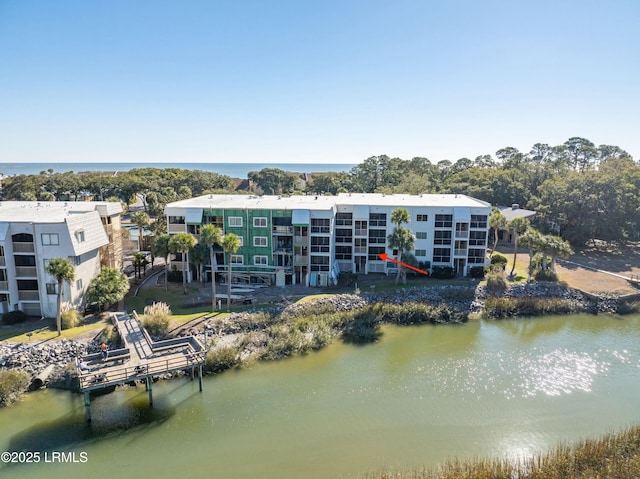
column 580, row 191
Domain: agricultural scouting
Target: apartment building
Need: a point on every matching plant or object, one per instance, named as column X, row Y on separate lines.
column 311, row 239
column 32, row 233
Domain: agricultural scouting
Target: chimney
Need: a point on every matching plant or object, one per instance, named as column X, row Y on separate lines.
column 515, row 206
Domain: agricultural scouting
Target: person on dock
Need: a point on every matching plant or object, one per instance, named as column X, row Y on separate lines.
column 105, row 353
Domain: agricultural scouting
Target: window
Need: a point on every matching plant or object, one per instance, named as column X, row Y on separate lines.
column 237, row 259
column 79, row 284
column 343, row 252
column 377, row 236
column 319, row 244
column 361, row 228
column 344, row 219
column 320, row 225
column 235, row 221
column 344, row 235
column 260, row 241
column 476, row 256
column 241, row 239
column 441, row 255
column 478, row 221
column 442, row 237
column 76, row 260
column 421, row 235
column 176, row 220
column 422, row 218
column 374, row 251
column 50, row 239
column 319, row 263
column 259, row 222
column 421, row 252
column 260, row 260
column 477, row 238
column 444, row 221
column 79, row 236
column 377, row 219
column 52, row 288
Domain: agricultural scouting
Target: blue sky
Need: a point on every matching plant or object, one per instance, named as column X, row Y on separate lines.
column 332, row 81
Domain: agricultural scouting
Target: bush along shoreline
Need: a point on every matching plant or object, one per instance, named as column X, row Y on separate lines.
column 241, row 338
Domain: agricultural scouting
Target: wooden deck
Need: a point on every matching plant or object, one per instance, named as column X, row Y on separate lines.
column 141, row 358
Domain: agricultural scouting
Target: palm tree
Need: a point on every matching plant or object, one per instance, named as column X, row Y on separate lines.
column 533, row 240
column 197, row 256
column 517, row 226
column 141, row 219
column 160, row 247
column 211, row 235
column 401, row 239
column 62, row 270
column 497, row 222
column 230, row 244
column 182, row 243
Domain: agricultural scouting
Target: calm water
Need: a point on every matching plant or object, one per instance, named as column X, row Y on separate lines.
column 416, row 397
column 234, row 170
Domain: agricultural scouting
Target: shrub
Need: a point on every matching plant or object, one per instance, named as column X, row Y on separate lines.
column 545, row 275
column 443, row 272
column 13, row 317
column 496, row 281
column 156, row 318
column 13, row 383
column 476, row 272
column 70, row 319
column 498, row 261
column 174, row 276
column 221, row 359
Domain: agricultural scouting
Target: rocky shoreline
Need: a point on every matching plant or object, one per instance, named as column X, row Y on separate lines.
column 34, row 358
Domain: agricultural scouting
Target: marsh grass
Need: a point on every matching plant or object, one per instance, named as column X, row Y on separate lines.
column 613, row 456
column 13, row 383
column 508, row 307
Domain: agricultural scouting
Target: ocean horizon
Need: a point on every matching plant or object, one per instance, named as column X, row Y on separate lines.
column 234, row 170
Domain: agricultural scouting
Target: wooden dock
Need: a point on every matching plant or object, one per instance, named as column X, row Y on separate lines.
column 140, row 359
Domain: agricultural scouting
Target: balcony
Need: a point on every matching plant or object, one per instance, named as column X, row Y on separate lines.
column 26, row 272
column 4, row 285
column 28, row 296
column 301, row 260
column 301, row 240
column 3, row 261
column 23, row 247
column 460, row 252
column 462, row 234
column 282, row 230
column 176, row 228
column 360, row 232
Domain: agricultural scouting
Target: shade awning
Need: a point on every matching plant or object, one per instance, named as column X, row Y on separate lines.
column 300, row 218
column 194, row 216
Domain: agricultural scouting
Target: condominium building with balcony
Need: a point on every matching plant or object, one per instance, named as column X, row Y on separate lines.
column 311, row 239
column 32, row 233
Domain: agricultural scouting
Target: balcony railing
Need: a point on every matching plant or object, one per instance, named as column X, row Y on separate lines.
column 462, row 234
column 282, row 230
column 360, row 232
column 176, row 228
column 301, row 259
column 460, row 252
column 23, row 247
column 28, row 296
column 4, row 285
column 26, row 272
column 3, row 261
column 301, row 240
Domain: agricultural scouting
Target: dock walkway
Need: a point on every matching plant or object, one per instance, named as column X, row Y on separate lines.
column 141, row 358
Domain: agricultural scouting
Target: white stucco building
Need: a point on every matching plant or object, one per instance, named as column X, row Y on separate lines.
column 32, row 233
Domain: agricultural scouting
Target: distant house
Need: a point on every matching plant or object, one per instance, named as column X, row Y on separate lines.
column 510, row 213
